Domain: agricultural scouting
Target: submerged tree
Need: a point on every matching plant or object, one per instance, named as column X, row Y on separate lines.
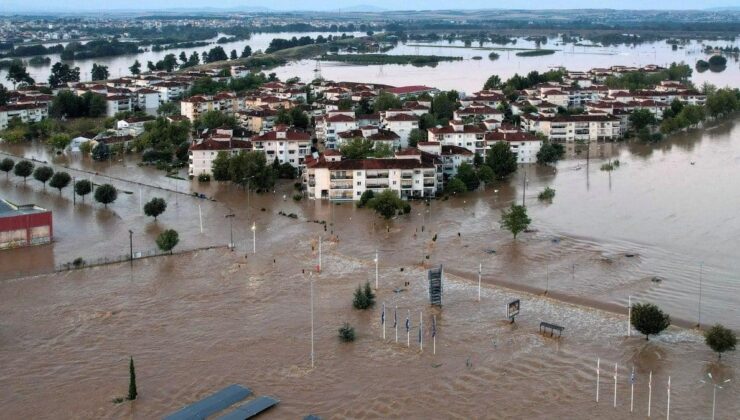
column 649, row 319
column 132, row 392
column 720, row 339
column 515, row 220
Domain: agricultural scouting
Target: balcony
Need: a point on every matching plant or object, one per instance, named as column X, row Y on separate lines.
column 376, row 184
column 340, row 176
column 340, row 185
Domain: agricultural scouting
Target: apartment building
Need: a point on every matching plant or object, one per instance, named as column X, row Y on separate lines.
column 285, row 144
column 334, row 122
column 525, row 145
column 412, row 177
column 458, row 134
column 570, row 128
column 401, row 124
column 202, row 154
column 27, row 112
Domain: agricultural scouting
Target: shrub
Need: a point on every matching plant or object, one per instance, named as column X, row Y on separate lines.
column 78, row 262
column 364, row 298
column 365, row 198
column 204, row 177
column 547, row 194
column 297, row 197
column 649, row 319
column 720, row 339
column 346, row 333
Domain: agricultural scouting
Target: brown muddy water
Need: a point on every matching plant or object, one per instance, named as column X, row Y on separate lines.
column 199, row 321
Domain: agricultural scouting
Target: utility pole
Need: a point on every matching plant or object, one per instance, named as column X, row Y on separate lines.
column 131, row 246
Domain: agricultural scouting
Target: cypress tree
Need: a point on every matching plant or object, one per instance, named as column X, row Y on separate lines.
column 132, row 380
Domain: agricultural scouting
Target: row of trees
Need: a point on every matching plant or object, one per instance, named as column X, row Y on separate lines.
column 104, row 194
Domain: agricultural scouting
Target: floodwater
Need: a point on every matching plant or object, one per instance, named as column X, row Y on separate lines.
column 469, row 75
column 660, row 228
column 118, row 65
column 197, row 322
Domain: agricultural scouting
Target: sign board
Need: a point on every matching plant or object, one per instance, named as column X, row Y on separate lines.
column 435, row 286
column 512, row 309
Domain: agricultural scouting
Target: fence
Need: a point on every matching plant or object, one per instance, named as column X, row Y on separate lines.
column 80, row 263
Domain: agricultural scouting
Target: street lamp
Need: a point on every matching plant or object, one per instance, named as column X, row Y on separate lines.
column 231, row 229
column 254, row 238
column 714, row 391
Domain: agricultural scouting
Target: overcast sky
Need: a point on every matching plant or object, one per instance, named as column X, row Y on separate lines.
column 90, row 5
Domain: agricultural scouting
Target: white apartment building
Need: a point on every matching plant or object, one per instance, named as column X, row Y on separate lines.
column 202, row 154
column 25, row 112
column 348, row 179
column 564, row 128
column 287, row 145
column 117, row 103
column 401, row 124
column 333, row 123
column 525, row 145
column 458, row 134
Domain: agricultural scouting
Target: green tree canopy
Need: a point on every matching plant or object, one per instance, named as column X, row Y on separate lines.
column 220, row 167
column 43, row 174
column 641, row 118
column 18, row 74
column 83, row 187
column 167, row 240
column 720, row 339
column 251, row 168
column 61, row 74
column 455, row 186
column 649, row 319
column 469, row 176
column 550, row 153
column 387, row 203
column 106, row 194
column 23, row 169
column 99, row 72
column 6, row 165
column 386, row 101
column 60, row 180
column 155, row 207
column 501, row 159
column 135, row 68
column 515, row 220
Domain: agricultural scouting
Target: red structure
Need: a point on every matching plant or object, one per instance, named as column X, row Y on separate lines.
column 24, row 225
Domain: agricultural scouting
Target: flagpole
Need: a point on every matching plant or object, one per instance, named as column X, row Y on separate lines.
column 629, row 316
column 480, row 267
column 668, row 411
column 598, row 373
column 615, row 385
column 632, row 390
column 650, row 391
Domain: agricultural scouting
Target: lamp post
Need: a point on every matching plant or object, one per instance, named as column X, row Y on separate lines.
column 254, row 238
column 231, row 229
column 714, row 391
column 131, row 246
column 310, row 275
